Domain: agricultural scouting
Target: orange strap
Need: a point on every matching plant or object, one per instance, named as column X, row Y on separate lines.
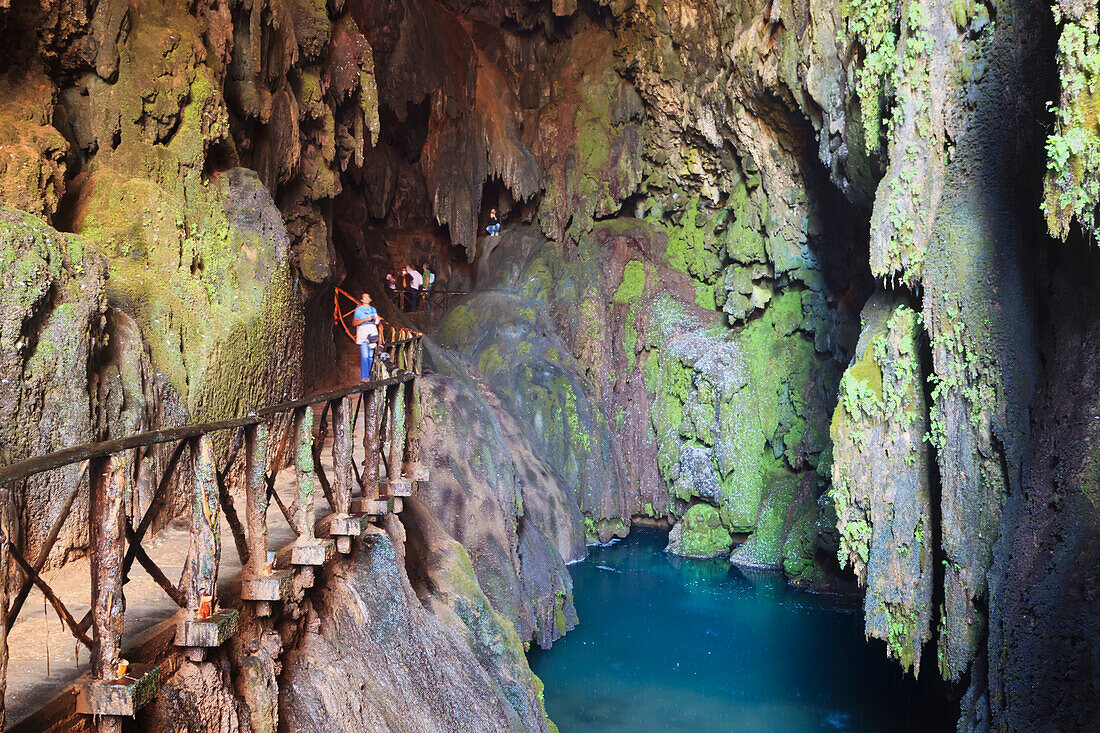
column 339, row 316
column 398, row 333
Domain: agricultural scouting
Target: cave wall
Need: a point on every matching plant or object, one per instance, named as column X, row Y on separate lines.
column 775, row 274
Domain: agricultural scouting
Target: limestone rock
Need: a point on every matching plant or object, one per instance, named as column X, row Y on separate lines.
column 881, row 487
column 375, row 656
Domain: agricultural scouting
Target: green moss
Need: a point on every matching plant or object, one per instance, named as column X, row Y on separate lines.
column 861, row 387
column 873, row 23
column 702, row 532
column 1072, row 185
column 633, row 283
column 490, row 362
column 459, row 326
column 704, row 297
column 691, row 247
column 650, row 370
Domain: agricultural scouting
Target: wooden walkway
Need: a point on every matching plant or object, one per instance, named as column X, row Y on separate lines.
column 385, row 442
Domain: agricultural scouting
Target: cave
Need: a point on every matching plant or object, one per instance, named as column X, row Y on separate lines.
column 789, row 299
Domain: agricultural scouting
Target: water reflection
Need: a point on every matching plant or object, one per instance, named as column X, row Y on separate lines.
column 668, row 644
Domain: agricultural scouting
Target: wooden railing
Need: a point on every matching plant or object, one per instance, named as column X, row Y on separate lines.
column 410, row 300
column 389, row 404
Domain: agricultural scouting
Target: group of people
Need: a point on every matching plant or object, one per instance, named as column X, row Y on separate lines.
column 414, row 281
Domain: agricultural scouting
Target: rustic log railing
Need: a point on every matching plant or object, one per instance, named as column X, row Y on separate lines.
column 389, row 404
column 411, row 300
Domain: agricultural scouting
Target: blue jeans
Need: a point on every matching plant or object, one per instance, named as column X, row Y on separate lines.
column 493, row 228
column 366, row 356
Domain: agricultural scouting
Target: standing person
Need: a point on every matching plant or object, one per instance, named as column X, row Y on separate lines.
column 429, row 280
column 415, row 281
column 494, row 224
column 365, row 320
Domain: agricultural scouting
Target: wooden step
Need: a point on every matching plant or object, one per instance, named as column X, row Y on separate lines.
column 275, row 586
column 371, row 507
column 396, row 487
column 207, row 633
column 348, row 525
column 122, row 697
column 312, row 553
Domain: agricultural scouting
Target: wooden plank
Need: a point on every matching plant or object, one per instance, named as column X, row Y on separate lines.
column 319, row 472
column 157, row 574
column 234, row 521
column 238, row 439
column 282, row 507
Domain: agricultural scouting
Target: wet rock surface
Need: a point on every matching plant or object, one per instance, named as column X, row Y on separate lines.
column 370, row 656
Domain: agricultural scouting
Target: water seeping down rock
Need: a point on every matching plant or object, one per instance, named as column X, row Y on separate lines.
column 773, row 273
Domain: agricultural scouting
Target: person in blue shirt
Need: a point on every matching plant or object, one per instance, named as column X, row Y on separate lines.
column 365, row 319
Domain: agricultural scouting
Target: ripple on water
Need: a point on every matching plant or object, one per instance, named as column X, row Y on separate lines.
column 669, row 644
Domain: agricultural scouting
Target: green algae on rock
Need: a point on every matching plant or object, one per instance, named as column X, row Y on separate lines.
column 881, row 485
column 700, row 533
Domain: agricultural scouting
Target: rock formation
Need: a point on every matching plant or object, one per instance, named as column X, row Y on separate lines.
column 780, row 275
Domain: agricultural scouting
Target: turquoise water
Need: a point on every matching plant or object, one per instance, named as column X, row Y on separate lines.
column 669, row 644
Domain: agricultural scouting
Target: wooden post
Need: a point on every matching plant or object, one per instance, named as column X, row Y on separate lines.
column 205, row 537
column 256, row 438
column 414, row 406
column 303, row 465
column 108, row 479
column 203, row 625
column 371, row 419
column 308, row 552
column 261, row 584
column 397, row 430
column 342, row 455
column 343, row 526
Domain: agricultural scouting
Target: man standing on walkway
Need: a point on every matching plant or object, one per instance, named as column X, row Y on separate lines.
column 429, row 279
column 415, row 281
column 365, row 319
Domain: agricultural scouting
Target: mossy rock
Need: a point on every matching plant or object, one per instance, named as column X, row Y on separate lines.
column 701, row 532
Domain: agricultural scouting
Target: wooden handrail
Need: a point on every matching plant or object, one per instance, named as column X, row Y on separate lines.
column 23, row 469
column 392, row 402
